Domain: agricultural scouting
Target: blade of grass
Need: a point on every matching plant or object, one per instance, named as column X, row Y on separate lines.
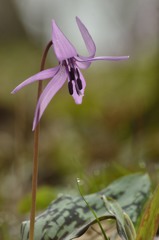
column 93, row 212
column 150, row 220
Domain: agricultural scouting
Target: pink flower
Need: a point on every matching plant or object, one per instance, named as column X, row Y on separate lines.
column 70, row 63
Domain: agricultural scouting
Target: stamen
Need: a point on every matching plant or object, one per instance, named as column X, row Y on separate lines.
column 70, row 87
column 72, row 74
column 79, row 83
column 78, row 75
column 77, row 89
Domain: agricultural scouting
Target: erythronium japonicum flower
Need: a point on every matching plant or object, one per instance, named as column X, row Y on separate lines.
column 70, row 63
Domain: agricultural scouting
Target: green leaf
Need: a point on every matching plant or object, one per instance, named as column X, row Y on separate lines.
column 125, row 227
column 68, row 216
column 150, row 220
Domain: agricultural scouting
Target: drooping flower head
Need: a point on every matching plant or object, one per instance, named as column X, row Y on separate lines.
column 70, row 63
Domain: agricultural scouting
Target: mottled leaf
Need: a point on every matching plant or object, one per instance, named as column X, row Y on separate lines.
column 150, row 220
column 68, row 216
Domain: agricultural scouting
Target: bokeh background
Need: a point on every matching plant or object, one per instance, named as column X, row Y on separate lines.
column 116, row 129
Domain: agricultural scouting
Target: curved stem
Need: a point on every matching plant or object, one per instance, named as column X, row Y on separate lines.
column 36, row 150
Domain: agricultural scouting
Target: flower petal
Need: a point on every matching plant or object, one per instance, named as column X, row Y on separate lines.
column 62, row 46
column 48, row 93
column 91, row 47
column 78, row 98
column 107, row 58
column 82, row 64
column 45, row 74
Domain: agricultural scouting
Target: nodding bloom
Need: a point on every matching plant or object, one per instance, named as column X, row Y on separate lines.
column 70, row 63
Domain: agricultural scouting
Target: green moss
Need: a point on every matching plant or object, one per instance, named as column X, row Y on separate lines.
column 45, row 195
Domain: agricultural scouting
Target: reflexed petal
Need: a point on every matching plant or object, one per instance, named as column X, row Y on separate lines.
column 106, row 58
column 48, row 93
column 91, row 47
column 45, row 74
column 78, row 98
column 62, row 46
column 80, row 64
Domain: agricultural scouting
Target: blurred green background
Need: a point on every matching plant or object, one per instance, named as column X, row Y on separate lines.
column 114, row 132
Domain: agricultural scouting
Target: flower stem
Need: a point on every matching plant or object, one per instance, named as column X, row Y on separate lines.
column 36, row 150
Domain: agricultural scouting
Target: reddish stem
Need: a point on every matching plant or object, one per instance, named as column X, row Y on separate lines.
column 36, row 150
